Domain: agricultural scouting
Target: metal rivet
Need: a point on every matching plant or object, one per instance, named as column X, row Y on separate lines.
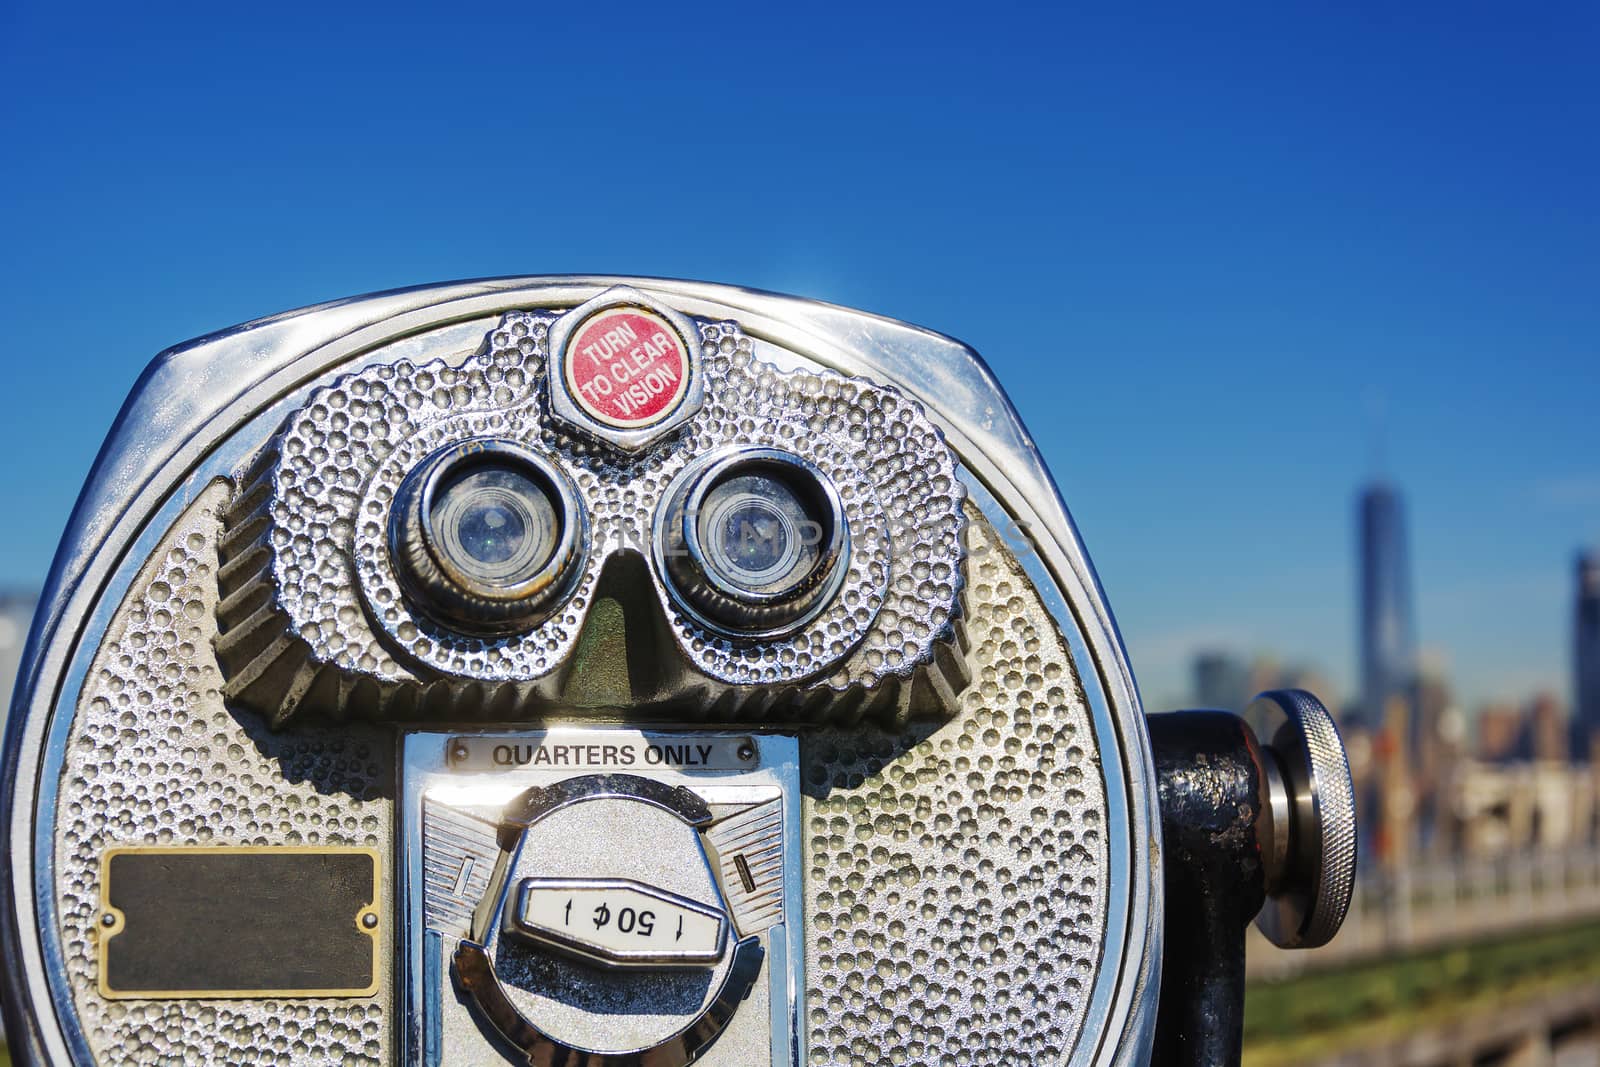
column 370, row 920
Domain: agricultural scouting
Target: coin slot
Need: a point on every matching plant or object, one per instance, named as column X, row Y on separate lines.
column 745, row 877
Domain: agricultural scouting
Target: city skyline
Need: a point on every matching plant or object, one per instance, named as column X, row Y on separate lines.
column 1392, row 673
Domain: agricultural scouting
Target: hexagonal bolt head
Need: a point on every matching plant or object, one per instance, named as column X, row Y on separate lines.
column 625, row 369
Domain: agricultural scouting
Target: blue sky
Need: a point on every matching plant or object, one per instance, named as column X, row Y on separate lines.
column 1205, row 246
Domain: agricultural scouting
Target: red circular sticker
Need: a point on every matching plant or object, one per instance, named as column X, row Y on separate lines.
column 626, row 367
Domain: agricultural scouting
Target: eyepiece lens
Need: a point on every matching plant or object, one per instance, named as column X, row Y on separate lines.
column 484, row 534
column 753, row 542
column 759, row 533
column 495, row 524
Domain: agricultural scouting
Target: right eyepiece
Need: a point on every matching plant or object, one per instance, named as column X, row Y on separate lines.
column 752, row 542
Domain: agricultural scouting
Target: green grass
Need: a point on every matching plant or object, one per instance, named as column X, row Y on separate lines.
column 1288, row 1021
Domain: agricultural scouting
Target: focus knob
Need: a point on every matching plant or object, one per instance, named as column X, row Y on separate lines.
column 1309, row 848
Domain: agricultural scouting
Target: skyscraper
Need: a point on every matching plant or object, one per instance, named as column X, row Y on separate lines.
column 1586, row 656
column 1388, row 645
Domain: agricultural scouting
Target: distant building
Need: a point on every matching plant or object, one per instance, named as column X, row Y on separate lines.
column 1386, row 639
column 1228, row 681
column 1221, row 681
column 1304, row 676
column 1434, row 704
column 16, row 614
column 1362, row 746
column 1544, row 730
column 1520, row 807
column 1586, row 657
column 1436, row 750
column 1499, row 732
column 1537, row 732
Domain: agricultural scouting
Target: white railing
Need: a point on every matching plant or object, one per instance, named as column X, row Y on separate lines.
column 1439, row 902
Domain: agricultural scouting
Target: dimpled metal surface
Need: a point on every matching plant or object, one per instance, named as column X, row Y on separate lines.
column 956, row 873
column 154, row 758
column 323, row 510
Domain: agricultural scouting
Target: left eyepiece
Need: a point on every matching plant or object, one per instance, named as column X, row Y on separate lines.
column 485, row 535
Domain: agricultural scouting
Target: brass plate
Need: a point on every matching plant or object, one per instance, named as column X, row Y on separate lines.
column 239, row 922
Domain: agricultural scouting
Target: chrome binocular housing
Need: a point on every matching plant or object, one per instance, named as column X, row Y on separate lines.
column 584, row 670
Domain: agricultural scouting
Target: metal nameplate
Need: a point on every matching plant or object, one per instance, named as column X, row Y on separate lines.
column 610, row 750
column 239, row 922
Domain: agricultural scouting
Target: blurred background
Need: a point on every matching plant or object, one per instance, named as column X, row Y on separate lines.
column 1302, row 303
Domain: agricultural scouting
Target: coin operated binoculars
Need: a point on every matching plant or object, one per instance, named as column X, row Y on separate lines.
column 619, row 673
